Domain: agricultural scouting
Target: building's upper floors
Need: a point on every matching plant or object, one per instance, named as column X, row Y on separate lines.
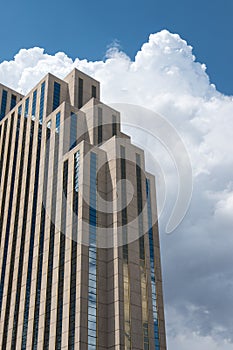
column 77, row 89
column 78, row 96
column 8, row 100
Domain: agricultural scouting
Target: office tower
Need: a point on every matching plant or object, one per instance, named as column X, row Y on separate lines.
column 79, row 244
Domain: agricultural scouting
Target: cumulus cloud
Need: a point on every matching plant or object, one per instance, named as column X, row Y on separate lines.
column 197, row 258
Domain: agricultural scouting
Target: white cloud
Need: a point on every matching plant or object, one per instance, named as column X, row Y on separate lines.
column 166, row 78
column 190, row 339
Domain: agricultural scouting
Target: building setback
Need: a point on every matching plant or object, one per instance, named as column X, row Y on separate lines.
column 79, row 244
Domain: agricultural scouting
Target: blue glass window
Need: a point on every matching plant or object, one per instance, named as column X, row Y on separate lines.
column 56, row 95
column 73, row 130
column 76, row 171
column 26, row 108
column 34, row 104
column 2, row 154
column 73, row 278
column 3, row 104
column 58, row 121
column 42, row 92
column 152, row 264
column 20, row 110
column 13, row 101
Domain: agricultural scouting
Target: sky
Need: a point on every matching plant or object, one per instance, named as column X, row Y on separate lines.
column 85, row 28
column 183, row 73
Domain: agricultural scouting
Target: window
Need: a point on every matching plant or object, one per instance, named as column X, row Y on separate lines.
column 143, row 273
column 73, row 130
column 71, row 343
column 3, row 104
column 2, row 154
column 93, row 91
column 114, row 125
column 152, row 264
column 80, row 93
column 58, row 121
column 20, row 110
column 100, row 125
column 42, row 92
column 56, row 95
column 26, row 108
column 125, row 248
column 34, row 104
column 13, row 101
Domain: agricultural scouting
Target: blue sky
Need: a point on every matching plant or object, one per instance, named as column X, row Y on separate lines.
column 84, row 29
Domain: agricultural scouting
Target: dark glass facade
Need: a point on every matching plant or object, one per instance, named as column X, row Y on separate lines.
column 3, row 104
column 56, row 94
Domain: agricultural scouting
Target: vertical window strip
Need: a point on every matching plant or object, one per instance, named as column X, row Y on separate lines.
column 7, row 232
column 41, row 241
column 142, row 264
column 20, row 110
column 42, row 93
column 32, row 239
column 2, row 157
column 126, row 278
column 23, row 238
column 34, row 97
column 51, row 247
column 73, row 130
column 13, row 101
column 58, row 122
column 62, row 259
column 3, row 104
column 71, row 343
column 56, row 95
column 152, row 265
column 100, row 125
column 3, row 201
column 93, row 91
column 80, row 93
column 26, row 110
column 92, row 279
column 114, row 125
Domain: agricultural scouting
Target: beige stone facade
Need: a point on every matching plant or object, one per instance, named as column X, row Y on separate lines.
column 79, row 244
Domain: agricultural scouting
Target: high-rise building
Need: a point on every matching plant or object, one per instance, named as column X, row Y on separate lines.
column 79, row 244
